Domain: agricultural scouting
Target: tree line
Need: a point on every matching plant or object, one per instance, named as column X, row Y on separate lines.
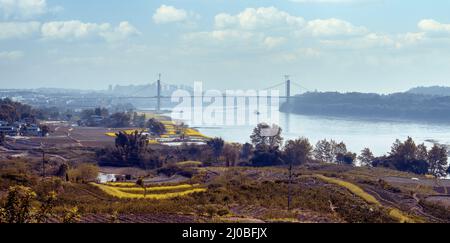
column 267, row 149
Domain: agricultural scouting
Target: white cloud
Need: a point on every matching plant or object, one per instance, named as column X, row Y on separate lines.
column 18, row 30
column 11, row 55
column 25, row 9
column 269, row 27
column 297, row 54
column 121, row 32
column 333, row 27
column 258, row 18
column 431, row 25
column 272, row 42
column 169, row 14
column 222, row 37
column 77, row 30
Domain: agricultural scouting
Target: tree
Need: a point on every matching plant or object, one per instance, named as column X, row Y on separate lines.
column 18, row 208
column 366, row 157
column 45, row 130
column 71, row 216
column 156, row 127
column 422, row 152
column 265, row 135
column 100, row 111
column 231, row 153
column 405, row 156
column 139, row 120
column 437, row 159
column 324, row 151
column 84, row 173
column 46, row 208
column 119, row 119
column 404, row 151
column 246, row 151
column 297, row 151
column 338, row 148
column 132, row 147
column 266, row 157
column 63, row 171
column 2, row 138
column 131, row 150
column 346, row 159
column 216, row 145
column 140, row 182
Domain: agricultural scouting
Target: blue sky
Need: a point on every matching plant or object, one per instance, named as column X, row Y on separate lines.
column 328, row 45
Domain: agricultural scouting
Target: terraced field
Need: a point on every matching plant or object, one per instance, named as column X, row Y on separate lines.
column 131, row 191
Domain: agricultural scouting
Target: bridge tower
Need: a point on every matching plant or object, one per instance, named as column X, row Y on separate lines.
column 158, row 106
column 288, row 89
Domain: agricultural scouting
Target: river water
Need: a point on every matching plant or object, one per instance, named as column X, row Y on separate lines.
column 378, row 135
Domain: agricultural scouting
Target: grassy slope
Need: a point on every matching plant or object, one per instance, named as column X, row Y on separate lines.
column 393, row 212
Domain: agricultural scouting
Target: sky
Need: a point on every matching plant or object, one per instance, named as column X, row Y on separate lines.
column 327, row 45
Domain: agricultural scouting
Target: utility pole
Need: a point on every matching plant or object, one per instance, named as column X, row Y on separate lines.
column 158, row 107
column 290, row 187
column 288, row 89
column 43, row 161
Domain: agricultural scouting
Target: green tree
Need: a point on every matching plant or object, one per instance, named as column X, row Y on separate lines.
column 156, row 127
column 421, row 152
column 216, row 145
column 46, row 208
column 366, row 157
column 140, row 182
column 84, row 173
column 63, row 171
column 437, row 159
column 71, row 216
column 246, row 151
column 45, row 130
column 406, row 151
column 18, row 207
column 348, row 158
column 119, row 119
column 267, row 136
column 323, row 151
column 231, row 153
column 297, row 151
column 2, row 138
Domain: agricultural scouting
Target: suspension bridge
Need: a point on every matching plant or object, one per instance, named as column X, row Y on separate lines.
column 286, row 86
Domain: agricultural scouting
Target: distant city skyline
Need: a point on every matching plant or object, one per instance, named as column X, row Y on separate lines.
column 327, row 45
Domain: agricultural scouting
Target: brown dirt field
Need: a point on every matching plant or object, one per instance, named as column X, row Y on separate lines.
column 442, row 200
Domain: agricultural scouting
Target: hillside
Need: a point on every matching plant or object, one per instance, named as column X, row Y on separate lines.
column 432, row 90
column 394, row 106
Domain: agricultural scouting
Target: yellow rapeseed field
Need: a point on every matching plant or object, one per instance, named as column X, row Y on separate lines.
column 117, row 192
column 158, row 188
column 189, row 163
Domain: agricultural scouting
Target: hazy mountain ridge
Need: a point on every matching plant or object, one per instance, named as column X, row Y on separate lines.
column 431, row 90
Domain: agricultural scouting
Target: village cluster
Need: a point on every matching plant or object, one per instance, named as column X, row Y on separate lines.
column 22, row 128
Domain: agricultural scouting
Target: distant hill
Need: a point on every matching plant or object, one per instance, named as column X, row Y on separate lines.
column 146, row 90
column 408, row 106
column 433, row 90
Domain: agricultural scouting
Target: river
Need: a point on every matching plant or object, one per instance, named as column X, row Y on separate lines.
column 378, row 135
